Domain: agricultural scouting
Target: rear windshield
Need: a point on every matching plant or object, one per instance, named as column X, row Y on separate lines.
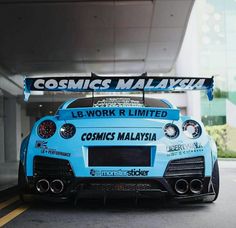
column 118, row 102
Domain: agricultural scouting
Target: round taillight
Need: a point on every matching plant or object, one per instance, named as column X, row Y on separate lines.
column 171, row 131
column 46, row 129
column 192, row 129
column 67, row 131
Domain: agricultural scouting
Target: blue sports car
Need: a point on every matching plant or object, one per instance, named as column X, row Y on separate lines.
column 109, row 146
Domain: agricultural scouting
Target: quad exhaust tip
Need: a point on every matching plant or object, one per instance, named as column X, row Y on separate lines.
column 57, row 186
column 42, row 186
column 196, row 186
column 181, row 186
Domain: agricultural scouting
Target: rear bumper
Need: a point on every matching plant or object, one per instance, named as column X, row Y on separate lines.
column 206, row 196
column 122, row 188
column 94, row 186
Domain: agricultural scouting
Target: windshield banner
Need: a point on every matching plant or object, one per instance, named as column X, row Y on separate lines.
column 117, row 84
column 92, row 113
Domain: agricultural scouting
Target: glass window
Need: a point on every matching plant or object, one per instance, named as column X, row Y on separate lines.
column 118, row 101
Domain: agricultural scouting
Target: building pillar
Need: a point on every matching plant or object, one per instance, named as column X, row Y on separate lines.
column 12, row 126
column 187, row 64
column 194, row 104
column 2, row 153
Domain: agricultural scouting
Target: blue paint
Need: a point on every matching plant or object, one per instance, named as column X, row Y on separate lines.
column 78, row 148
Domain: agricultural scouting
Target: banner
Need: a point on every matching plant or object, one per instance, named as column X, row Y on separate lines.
column 117, row 84
column 140, row 112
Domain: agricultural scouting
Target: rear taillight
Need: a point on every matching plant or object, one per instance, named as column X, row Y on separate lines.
column 67, row 131
column 192, row 129
column 46, row 129
column 171, row 131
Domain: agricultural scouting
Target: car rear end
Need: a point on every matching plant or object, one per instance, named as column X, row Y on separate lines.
column 110, row 154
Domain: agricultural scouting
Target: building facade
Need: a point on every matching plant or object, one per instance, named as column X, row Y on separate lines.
column 209, row 49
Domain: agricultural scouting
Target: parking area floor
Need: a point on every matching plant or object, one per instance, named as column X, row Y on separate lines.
column 125, row 213
column 8, row 174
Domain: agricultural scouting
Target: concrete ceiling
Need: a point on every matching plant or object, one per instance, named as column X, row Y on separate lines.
column 106, row 37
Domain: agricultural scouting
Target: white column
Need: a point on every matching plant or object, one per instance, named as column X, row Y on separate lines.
column 12, row 124
column 188, row 64
column 194, row 104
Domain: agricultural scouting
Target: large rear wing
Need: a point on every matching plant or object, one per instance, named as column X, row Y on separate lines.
column 117, row 84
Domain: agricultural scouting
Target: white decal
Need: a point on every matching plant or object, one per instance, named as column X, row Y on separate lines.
column 162, row 84
column 139, row 84
column 148, row 85
column 73, row 85
column 174, row 82
column 199, row 84
column 51, row 84
column 183, row 83
column 124, row 85
column 39, row 84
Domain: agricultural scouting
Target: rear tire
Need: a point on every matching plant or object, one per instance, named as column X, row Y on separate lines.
column 216, row 180
column 22, row 184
